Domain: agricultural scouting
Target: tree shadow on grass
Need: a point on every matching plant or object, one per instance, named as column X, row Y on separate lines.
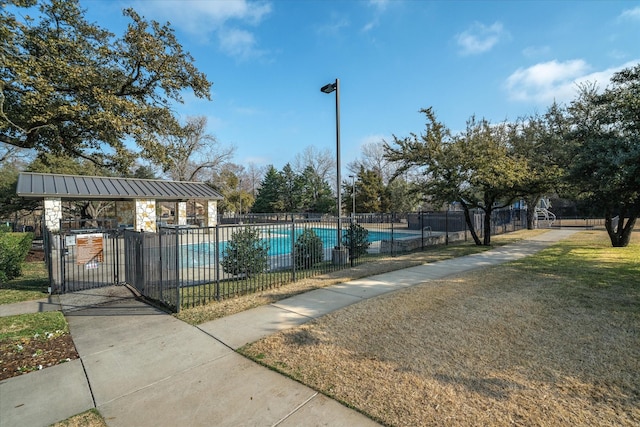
column 26, row 284
column 493, row 388
column 34, row 279
column 300, row 337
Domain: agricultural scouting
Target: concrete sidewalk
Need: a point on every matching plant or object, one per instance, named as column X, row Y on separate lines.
column 145, row 368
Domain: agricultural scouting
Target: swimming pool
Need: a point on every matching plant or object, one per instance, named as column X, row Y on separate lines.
column 280, row 243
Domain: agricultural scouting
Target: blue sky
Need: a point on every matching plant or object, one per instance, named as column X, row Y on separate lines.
column 268, row 59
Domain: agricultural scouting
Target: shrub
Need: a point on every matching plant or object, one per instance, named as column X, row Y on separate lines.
column 245, row 254
column 357, row 240
column 308, row 249
column 13, row 251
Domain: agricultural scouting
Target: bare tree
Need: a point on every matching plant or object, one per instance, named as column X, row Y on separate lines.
column 254, row 175
column 195, row 154
column 322, row 162
column 372, row 158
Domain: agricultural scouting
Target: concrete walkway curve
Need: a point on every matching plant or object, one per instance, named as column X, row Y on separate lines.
column 142, row 367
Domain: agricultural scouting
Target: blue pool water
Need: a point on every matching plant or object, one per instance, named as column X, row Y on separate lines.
column 280, row 243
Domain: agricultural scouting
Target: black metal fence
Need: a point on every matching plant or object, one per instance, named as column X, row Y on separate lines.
column 186, row 266
column 83, row 259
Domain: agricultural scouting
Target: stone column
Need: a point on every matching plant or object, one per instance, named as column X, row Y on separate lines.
column 181, row 213
column 211, row 213
column 52, row 217
column 52, row 214
column 145, row 219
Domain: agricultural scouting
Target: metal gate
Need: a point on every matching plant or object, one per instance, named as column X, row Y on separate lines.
column 84, row 260
column 150, row 267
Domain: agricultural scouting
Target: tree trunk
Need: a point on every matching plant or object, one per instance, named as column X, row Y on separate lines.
column 620, row 233
column 472, row 230
column 532, row 202
column 487, row 226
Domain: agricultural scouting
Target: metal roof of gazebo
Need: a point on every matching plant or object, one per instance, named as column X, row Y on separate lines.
column 44, row 185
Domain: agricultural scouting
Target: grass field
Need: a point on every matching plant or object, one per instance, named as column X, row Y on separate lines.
column 31, row 285
column 32, row 325
column 552, row 339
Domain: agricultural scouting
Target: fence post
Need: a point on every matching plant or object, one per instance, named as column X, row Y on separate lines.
column 116, row 253
column 421, row 230
column 446, row 226
column 217, row 261
column 178, row 273
column 293, row 249
column 352, row 235
column 141, row 258
column 392, row 242
column 63, row 271
column 162, row 289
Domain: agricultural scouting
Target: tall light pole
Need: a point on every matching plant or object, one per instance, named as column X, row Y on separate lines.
column 353, row 195
column 329, row 88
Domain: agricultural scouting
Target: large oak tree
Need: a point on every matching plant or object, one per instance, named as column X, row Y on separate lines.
column 69, row 87
column 604, row 151
column 477, row 167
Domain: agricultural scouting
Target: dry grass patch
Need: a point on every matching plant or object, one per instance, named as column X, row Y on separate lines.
column 549, row 340
column 90, row 418
column 380, row 265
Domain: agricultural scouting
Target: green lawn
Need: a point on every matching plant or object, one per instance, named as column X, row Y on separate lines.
column 33, row 284
column 32, row 325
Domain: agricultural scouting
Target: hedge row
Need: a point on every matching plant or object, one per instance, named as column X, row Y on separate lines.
column 14, row 248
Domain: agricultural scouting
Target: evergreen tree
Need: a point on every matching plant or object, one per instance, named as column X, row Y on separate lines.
column 246, row 254
column 477, row 168
column 269, row 197
column 308, row 249
column 603, row 148
column 315, row 193
column 370, row 194
column 291, row 193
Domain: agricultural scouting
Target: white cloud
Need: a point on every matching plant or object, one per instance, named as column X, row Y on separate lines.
column 535, row 51
column 379, row 4
column 548, row 81
column 225, row 19
column 480, row 38
column 632, row 14
column 378, row 7
column 238, row 43
column 370, row 25
column 334, row 27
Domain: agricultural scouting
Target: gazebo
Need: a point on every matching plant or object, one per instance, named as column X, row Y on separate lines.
column 135, row 198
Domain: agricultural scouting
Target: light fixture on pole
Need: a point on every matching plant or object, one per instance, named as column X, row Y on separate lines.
column 329, row 88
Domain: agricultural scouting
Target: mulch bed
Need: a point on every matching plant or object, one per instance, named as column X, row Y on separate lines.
column 18, row 357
